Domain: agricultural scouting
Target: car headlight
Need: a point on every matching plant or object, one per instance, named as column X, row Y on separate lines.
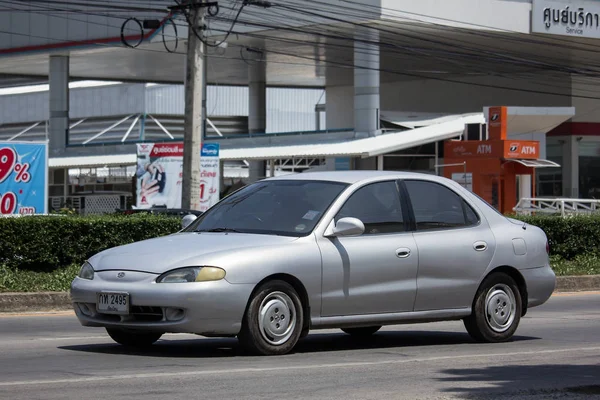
column 86, row 271
column 192, row 274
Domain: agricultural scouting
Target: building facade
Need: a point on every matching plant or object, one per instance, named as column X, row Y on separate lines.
column 381, row 63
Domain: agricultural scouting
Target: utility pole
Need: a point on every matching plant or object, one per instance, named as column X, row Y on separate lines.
column 195, row 108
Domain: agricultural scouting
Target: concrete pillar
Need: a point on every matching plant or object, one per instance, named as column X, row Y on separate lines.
column 380, row 163
column 58, row 80
column 570, row 167
column 366, row 82
column 257, row 111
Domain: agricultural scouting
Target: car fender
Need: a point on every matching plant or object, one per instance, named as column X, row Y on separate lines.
column 300, row 259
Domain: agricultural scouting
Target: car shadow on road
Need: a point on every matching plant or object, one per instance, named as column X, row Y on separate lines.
column 318, row 342
column 510, row 381
column 313, row 343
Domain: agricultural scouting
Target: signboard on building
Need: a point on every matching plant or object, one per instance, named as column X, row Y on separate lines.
column 566, row 18
column 519, row 149
column 160, row 175
column 23, row 178
column 209, row 175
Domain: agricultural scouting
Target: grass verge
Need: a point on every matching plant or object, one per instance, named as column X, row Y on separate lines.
column 580, row 265
column 15, row 280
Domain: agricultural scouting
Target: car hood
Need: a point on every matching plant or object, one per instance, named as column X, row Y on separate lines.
column 179, row 250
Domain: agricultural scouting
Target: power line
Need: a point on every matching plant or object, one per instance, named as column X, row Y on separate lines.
column 405, row 50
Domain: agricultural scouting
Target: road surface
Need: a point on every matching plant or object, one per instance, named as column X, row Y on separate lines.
column 555, row 354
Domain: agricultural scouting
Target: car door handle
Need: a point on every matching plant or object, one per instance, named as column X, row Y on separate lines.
column 402, row 252
column 480, row 246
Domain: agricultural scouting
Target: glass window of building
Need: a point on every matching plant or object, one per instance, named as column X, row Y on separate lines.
column 589, row 169
column 549, row 180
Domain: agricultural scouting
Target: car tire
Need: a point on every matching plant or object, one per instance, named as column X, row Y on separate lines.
column 273, row 321
column 496, row 310
column 361, row 332
column 304, row 333
column 133, row 338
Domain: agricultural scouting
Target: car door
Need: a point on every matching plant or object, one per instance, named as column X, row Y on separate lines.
column 455, row 245
column 376, row 271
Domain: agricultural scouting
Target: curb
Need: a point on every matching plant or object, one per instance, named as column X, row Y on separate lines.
column 577, row 283
column 59, row 301
column 41, row 301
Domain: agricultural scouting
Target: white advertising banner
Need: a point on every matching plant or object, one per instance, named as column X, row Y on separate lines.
column 209, row 175
column 566, row 18
column 160, row 172
column 159, row 175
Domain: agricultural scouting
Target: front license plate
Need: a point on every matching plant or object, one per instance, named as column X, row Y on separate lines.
column 112, row 302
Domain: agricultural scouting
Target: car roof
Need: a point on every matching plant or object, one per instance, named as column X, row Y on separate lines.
column 353, row 176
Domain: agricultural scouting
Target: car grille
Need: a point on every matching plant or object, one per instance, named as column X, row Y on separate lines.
column 136, row 314
column 147, row 313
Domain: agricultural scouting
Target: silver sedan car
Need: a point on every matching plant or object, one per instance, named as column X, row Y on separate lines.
column 353, row 250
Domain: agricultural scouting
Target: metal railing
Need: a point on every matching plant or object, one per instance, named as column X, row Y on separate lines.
column 559, row 206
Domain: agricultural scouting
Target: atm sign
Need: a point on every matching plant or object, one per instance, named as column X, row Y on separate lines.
column 521, row 149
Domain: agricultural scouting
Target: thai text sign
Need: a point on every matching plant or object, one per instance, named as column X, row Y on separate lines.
column 209, row 175
column 568, row 18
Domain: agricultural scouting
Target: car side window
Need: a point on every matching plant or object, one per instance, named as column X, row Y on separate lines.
column 437, row 207
column 377, row 205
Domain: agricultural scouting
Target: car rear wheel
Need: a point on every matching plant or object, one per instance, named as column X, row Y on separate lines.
column 362, row 331
column 133, row 338
column 273, row 321
column 496, row 310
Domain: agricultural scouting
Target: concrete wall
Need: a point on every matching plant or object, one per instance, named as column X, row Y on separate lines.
column 508, row 15
column 340, row 107
column 32, row 24
column 445, row 97
column 588, row 110
column 440, row 96
column 39, row 24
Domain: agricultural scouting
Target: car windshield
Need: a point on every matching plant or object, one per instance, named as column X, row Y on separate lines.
column 278, row 207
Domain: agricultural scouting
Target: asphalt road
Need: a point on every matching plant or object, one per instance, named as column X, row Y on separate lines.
column 555, row 354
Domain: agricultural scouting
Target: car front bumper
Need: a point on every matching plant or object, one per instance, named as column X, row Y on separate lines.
column 540, row 284
column 208, row 308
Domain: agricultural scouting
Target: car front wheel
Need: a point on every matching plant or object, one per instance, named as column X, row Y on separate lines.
column 273, row 321
column 133, row 338
column 496, row 310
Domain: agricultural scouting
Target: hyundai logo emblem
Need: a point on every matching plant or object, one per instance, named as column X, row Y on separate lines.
column 121, row 275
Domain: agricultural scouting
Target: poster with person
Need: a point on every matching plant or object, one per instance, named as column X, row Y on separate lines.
column 160, row 173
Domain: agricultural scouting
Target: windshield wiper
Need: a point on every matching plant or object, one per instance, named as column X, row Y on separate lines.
column 219, row 230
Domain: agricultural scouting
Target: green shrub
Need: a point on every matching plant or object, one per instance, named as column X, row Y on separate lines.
column 585, row 264
column 16, row 280
column 569, row 237
column 45, row 243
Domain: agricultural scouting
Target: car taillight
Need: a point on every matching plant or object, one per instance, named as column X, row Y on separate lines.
column 547, row 247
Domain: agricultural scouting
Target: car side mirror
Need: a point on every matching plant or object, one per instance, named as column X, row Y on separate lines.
column 348, row 226
column 187, row 220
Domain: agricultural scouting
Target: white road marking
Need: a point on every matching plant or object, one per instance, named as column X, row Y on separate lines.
column 285, row 368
